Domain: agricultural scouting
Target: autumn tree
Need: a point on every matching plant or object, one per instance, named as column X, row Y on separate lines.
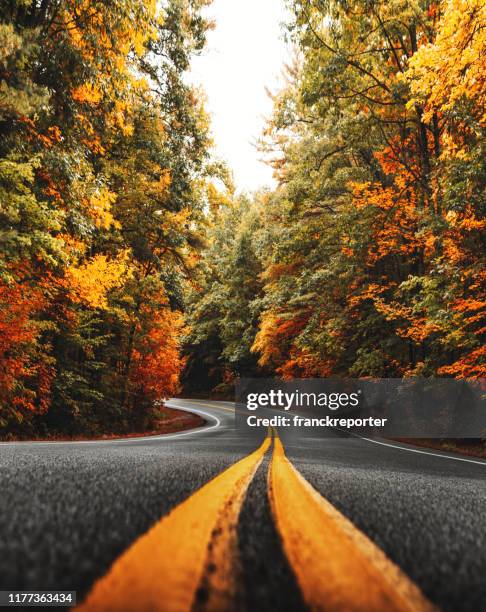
column 380, row 206
column 225, row 301
column 104, row 148
column 372, row 246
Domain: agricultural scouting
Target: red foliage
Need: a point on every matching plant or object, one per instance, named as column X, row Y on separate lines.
column 25, row 377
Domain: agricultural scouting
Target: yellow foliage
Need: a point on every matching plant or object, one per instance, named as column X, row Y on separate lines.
column 116, row 37
column 91, row 282
column 263, row 344
column 216, row 198
column 129, row 35
column 164, row 181
column 453, row 67
column 100, row 209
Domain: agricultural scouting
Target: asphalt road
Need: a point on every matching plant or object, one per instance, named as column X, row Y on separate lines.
column 68, row 510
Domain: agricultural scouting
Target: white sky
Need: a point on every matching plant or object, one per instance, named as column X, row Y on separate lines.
column 244, row 54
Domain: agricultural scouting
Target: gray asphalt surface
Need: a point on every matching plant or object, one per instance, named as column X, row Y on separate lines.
column 67, row 510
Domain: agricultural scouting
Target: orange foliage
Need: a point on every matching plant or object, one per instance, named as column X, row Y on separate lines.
column 303, row 365
column 274, row 336
column 19, row 364
column 277, row 270
column 396, row 206
column 156, row 362
column 48, row 139
column 472, row 365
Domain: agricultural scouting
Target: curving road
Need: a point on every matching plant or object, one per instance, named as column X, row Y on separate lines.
column 68, row 511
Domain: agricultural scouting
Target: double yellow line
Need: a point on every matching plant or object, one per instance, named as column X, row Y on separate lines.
column 189, row 559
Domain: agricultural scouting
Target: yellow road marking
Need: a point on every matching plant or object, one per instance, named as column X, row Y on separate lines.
column 190, row 551
column 337, row 567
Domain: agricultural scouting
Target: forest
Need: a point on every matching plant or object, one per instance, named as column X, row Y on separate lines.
column 130, row 268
